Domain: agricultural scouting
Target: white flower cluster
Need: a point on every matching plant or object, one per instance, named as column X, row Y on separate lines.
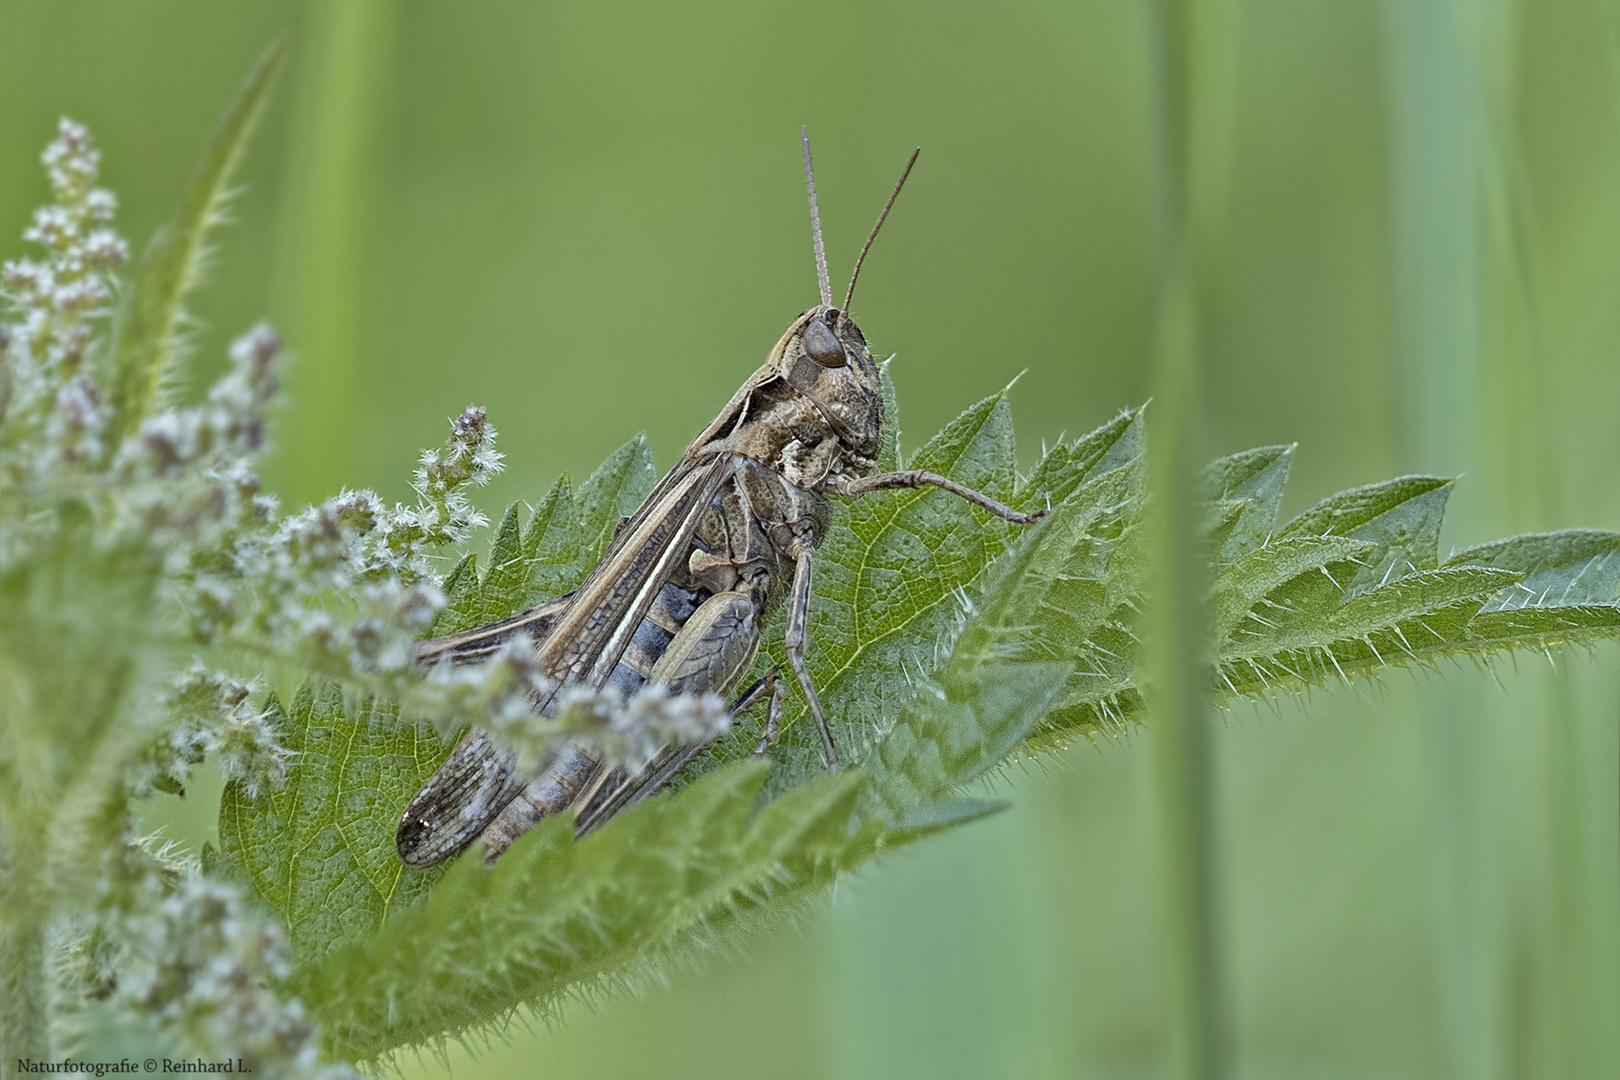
column 283, row 585
column 213, row 714
column 228, row 427
column 344, row 588
column 302, row 570
column 186, row 478
column 201, row 965
column 444, row 515
column 53, row 407
column 636, row 730
column 353, row 544
column 184, row 482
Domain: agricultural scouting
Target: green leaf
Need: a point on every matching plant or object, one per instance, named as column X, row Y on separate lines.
column 153, row 324
column 888, row 459
column 954, row 733
column 1569, row 591
column 1265, row 570
column 320, row 851
column 1416, row 619
column 1529, row 591
column 1401, row 517
column 74, row 633
column 1077, row 582
column 1248, row 486
column 462, row 593
column 554, row 915
column 1064, row 467
column 1560, row 569
column 1540, row 628
column 77, row 659
column 939, row 815
column 471, row 600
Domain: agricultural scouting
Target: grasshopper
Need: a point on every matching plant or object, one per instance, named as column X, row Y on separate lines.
column 685, row 588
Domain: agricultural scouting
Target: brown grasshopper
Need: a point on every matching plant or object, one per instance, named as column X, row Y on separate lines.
column 689, row 580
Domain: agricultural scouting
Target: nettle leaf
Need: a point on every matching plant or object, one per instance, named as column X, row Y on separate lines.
column 1401, row 517
column 473, row 600
column 1264, row 571
column 672, row 875
column 576, row 542
column 984, row 698
column 1560, row 569
column 1357, row 611
column 1085, row 610
column 679, row 872
column 1569, row 590
column 320, row 851
column 944, row 642
column 556, row 916
column 1246, row 490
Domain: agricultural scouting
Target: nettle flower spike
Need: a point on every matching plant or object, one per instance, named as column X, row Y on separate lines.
column 469, row 459
column 54, row 408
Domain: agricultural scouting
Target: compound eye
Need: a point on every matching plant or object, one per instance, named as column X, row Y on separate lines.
column 823, row 346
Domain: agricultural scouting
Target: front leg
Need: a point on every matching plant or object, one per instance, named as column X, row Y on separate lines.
column 839, row 484
column 794, row 639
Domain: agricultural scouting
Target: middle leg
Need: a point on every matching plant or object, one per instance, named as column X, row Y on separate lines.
column 793, row 642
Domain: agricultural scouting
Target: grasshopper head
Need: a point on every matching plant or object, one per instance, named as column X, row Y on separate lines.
column 817, row 404
column 824, row 358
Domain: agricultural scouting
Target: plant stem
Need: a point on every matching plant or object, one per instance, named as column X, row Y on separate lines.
column 1189, row 144
column 1177, row 663
column 321, row 268
column 1436, row 126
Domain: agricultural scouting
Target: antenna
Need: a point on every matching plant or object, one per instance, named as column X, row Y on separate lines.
column 815, row 221
column 893, row 195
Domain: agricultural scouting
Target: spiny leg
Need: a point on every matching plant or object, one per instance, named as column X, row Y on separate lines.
column 917, row 478
column 793, row 644
column 773, row 717
column 768, row 686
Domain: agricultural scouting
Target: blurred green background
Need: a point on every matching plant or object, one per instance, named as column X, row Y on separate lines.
column 590, row 218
